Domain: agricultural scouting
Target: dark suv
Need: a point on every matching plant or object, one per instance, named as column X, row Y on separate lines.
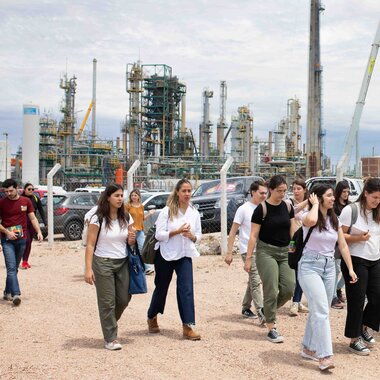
column 207, row 200
column 69, row 211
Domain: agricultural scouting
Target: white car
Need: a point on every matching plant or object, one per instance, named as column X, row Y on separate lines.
column 356, row 185
column 153, row 201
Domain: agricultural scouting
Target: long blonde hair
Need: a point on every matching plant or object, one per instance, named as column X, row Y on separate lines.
column 173, row 200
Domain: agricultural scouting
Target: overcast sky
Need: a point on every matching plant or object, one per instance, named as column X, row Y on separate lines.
column 260, row 47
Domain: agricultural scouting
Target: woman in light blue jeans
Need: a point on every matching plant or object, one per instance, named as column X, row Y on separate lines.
column 316, row 273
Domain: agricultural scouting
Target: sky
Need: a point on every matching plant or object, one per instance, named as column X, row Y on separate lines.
column 259, row 47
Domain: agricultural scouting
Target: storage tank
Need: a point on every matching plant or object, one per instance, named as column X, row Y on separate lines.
column 30, row 144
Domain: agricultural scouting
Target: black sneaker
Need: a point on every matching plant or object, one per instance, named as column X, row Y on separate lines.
column 359, row 348
column 368, row 339
column 260, row 314
column 274, row 337
column 248, row 313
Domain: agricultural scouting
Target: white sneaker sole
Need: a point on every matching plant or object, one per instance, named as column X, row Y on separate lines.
column 304, row 355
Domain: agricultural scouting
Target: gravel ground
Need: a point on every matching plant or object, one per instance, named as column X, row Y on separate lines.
column 55, row 332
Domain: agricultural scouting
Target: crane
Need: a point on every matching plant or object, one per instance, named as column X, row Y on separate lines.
column 84, row 121
column 350, row 138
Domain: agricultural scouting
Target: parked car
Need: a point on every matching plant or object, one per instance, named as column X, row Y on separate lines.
column 356, row 185
column 206, row 199
column 69, row 211
column 153, row 201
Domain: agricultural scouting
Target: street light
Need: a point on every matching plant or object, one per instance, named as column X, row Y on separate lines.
column 6, row 154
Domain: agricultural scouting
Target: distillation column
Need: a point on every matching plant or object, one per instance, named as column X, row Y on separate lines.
column 294, row 127
column 313, row 135
column 222, row 118
column 205, row 126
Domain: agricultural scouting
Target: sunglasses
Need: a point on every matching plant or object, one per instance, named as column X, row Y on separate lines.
column 30, row 189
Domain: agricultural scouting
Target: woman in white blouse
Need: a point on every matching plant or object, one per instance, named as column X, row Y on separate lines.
column 107, row 261
column 178, row 227
column 316, row 273
column 364, row 243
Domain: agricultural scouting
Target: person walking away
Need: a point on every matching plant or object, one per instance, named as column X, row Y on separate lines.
column 106, row 260
column 30, row 232
column 178, row 227
column 316, row 273
column 14, row 213
column 272, row 231
column 300, row 203
column 341, row 194
column 136, row 209
column 242, row 223
column 364, row 244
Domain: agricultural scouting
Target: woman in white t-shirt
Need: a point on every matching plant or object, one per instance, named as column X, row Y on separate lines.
column 107, row 261
column 316, row 273
column 178, row 227
column 364, row 243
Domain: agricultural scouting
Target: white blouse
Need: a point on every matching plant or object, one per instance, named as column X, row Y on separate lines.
column 177, row 246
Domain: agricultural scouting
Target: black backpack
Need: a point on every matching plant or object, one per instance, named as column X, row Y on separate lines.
column 299, row 243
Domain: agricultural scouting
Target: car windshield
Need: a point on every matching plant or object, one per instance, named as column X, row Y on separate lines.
column 215, row 187
column 56, row 199
column 145, row 196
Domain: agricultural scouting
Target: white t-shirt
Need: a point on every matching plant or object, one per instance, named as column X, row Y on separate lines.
column 177, row 246
column 112, row 242
column 322, row 242
column 369, row 249
column 243, row 217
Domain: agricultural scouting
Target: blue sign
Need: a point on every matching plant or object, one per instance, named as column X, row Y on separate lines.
column 31, row 111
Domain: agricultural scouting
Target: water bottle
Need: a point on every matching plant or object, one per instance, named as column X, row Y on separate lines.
column 292, row 246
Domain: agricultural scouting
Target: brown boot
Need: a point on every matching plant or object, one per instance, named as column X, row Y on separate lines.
column 189, row 333
column 153, row 325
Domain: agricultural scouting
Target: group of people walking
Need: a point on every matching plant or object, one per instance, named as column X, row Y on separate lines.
column 18, row 226
column 339, row 237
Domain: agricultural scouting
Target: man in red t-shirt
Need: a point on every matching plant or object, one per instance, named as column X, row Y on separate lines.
column 14, row 211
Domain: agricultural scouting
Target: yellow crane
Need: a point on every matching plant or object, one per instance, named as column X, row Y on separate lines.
column 84, row 121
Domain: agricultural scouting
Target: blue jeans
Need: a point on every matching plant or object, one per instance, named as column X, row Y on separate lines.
column 339, row 284
column 316, row 275
column 13, row 251
column 140, row 239
column 297, row 296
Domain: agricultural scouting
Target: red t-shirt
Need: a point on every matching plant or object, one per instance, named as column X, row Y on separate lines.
column 13, row 213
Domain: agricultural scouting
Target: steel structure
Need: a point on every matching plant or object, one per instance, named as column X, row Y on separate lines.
column 314, row 110
column 353, row 131
column 222, row 125
column 205, row 126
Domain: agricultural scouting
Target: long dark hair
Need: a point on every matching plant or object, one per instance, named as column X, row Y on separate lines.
column 173, row 200
column 340, row 186
column 103, row 211
column 319, row 190
column 371, row 185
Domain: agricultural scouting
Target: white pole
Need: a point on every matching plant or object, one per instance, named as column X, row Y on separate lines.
column 223, row 205
column 50, row 203
column 130, row 174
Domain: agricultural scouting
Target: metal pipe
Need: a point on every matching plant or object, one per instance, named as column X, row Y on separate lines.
column 50, row 176
column 93, row 127
column 130, row 174
column 223, row 205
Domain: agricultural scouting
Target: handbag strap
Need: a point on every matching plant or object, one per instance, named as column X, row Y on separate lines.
column 307, row 236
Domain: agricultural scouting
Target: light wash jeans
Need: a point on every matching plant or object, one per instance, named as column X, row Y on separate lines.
column 316, row 275
column 339, row 283
column 140, row 238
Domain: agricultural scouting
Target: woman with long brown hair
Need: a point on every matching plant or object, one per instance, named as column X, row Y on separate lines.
column 316, row 273
column 178, row 227
column 364, row 243
column 107, row 260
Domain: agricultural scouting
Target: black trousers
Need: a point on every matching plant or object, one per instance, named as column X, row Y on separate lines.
column 185, row 292
column 368, row 284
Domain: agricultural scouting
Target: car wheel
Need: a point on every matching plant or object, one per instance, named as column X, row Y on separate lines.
column 73, row 230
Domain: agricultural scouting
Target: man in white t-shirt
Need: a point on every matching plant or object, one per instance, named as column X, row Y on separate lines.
column 242, row 222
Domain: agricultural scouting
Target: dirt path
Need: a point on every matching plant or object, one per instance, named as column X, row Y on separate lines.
column 55, row 332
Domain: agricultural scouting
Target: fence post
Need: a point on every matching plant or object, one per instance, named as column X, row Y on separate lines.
column 223, row 205
column 130, row 174
column 50, row 203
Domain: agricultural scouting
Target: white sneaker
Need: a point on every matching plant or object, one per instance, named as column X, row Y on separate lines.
column 293, row 311
column 302, row 308
column 7, row 297
column 113, row 346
